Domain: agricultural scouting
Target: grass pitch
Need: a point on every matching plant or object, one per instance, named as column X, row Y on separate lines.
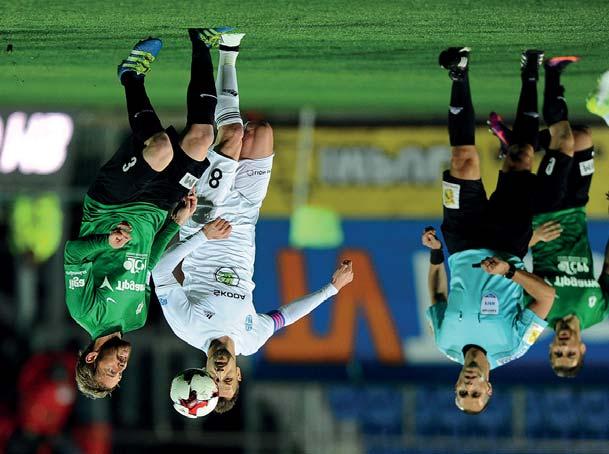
column 361, row 57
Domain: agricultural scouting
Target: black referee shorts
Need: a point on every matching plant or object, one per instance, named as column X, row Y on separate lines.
column 501, row 223
column 127, row 177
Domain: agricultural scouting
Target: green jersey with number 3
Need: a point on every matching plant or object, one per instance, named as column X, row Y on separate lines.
column 566, row 263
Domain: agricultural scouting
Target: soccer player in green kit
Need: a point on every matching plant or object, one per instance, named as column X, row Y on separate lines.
column 560, row 247
column 126, row 224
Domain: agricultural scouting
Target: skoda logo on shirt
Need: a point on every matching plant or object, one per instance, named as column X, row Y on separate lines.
column 227, row 276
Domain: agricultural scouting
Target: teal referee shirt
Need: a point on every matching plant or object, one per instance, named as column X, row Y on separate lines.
column 484, row 310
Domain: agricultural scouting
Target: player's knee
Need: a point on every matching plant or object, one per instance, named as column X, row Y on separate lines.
column 232, row 134
column 562, row 137
column 464, row 160
column 519, row 157
column 158, row 152
column 257, row 140
column 582, row 138
column 260, row 129
column 197, row 141
column 230, row 140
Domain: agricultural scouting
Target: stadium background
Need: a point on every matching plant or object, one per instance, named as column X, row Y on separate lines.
column 358, row 108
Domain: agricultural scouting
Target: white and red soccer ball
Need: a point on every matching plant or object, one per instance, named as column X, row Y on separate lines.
column 194, row 393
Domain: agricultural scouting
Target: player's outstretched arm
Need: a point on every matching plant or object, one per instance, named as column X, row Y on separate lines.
column 542, row 293
column 171, row 227
column 437, row 280
column 163, row 271
column 301, row 307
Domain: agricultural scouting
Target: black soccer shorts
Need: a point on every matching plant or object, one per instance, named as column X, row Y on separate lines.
column 564, row 181
column 127, row 177
column 501, row 223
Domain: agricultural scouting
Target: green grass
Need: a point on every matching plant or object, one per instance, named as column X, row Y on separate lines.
column 369, row 57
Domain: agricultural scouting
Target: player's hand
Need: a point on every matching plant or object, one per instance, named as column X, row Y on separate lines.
column 343, row 274
column 120, row 235
column 183, row 213
column 547, row 232
column 430, row 240
column 218, row 229
column 494, row 265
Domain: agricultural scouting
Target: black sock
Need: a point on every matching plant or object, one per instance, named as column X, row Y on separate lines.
column 142, row 117
column 461, row 116
column 554, row 105
column 201, row 98
column 526, row 125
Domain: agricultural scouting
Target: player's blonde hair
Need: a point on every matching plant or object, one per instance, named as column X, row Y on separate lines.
column 86, row 379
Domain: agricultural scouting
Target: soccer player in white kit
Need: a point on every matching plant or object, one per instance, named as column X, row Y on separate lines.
column 213, row 309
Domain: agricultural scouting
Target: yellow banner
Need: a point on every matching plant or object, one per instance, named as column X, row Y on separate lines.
column 391, row 172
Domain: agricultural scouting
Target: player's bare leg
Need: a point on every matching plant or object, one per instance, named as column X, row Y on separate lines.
column 465, row 162
column 158, row 152
column 257, row 140
column 228, row 117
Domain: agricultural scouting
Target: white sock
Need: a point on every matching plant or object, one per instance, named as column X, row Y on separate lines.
column 227, row 109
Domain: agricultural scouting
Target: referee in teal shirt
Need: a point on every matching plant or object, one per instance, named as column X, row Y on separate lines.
column 480, row 319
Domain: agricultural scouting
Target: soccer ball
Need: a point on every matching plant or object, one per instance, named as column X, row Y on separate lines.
column 194, row 393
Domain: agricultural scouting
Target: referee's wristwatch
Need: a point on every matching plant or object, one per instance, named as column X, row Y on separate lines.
column 511, row 271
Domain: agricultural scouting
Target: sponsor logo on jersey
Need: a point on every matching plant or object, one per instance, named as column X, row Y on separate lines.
column 106, row 284
column 129, row 285
column 209, row 314
column 76, row 273
column 135, row 263
column 570, row 281
column 229, row 294
column 573, row 265
column 227, row 276
column 586, row 167
column 450, row 195
column 249, row 324
column 188, row 180
column 257, row 173
column 550, row 166
column 489, row 304
column 76, row 282
column 532, row 334
column 139, row 308
column 162, row 301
